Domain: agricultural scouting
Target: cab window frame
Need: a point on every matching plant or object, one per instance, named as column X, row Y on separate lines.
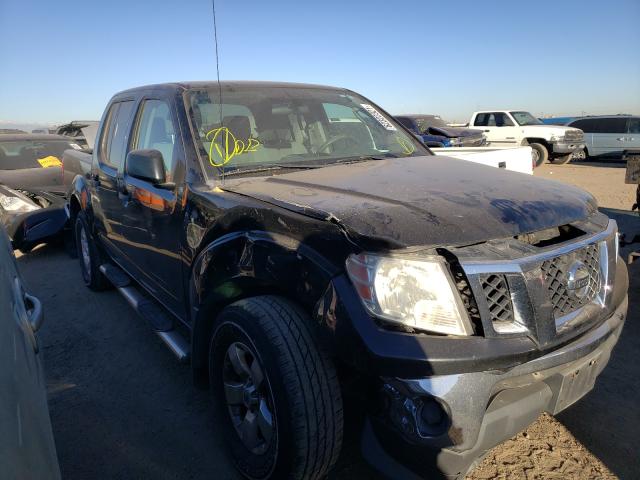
column 135, row 129
column 107, row 136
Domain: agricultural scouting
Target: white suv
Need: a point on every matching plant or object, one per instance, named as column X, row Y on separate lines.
column 609, row 136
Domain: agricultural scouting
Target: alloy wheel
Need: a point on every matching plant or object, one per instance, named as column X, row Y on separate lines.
column 84, row 248
column 249, row 399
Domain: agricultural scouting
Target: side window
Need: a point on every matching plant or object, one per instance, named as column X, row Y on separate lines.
column 107, row 133
column 587, row 125
column 155, row 130
column 114, row 135
column 634, row 125
column 502, row 120
column 481, row 120
column 612, row 125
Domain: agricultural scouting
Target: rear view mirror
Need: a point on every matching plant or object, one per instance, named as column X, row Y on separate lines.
column 147, row 165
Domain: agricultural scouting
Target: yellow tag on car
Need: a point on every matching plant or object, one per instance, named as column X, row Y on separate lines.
column 50, row 161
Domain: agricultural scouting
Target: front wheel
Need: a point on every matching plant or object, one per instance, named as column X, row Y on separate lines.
column 579, row 155
column 540, row 154
column 278, row 388
column 563, row 159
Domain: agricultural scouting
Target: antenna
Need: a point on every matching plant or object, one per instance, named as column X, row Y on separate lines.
column 215, row 39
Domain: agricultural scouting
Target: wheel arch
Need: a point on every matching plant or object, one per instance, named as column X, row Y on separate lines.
column 245, row 264
column 542, row 141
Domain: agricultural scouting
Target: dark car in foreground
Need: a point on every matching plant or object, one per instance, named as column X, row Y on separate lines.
column 34, row 161
column 436, row 133
column 299, row 246
column 27, row 449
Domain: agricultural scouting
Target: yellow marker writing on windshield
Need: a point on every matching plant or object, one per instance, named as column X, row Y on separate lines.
column 407, row 147
column 50, row 161
column 225, row 146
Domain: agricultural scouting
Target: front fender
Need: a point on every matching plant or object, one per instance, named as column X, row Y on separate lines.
column 248, row 263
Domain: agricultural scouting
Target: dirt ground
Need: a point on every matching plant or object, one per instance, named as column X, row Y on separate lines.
column 123, row 408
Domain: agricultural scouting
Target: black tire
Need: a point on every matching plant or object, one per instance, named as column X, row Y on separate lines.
column 89, row 263
column 564, row 159
column 307, row 412
column 542, row 153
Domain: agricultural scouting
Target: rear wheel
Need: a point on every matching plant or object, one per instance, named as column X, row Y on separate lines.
column 540, row 154
column 89, row 256
column 279, row 390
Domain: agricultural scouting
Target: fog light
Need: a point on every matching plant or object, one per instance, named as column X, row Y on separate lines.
column 433, row 420
column 420, row 417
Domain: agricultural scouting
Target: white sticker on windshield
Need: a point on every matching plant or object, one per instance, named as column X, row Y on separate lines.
column 378, row 116
column 76, row 146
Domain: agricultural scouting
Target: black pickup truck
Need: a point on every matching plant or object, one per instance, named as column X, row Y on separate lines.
column 303, row 250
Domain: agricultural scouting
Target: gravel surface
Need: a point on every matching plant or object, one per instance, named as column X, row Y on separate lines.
column 122, row 408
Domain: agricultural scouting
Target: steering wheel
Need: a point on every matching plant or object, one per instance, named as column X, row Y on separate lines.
column 335, row 139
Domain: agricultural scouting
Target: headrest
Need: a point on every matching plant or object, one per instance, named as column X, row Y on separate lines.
column 238, row 125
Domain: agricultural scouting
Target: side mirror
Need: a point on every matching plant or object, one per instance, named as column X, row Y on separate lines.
column 147, row 165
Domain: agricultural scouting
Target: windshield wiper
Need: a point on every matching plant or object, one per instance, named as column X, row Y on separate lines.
column 298, row 166
column 270, row 168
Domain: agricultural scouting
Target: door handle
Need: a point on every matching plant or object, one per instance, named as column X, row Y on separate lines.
column 621, row 139
column 487, row 131
column 34, row 312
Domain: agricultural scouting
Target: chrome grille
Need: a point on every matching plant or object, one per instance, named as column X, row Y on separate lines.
column 574, row 135
column 556, row 272
column 496, row 293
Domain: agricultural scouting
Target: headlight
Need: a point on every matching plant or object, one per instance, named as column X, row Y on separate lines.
column 557, row 138
column 416, row 293
column 455, row 141
column 15, row 204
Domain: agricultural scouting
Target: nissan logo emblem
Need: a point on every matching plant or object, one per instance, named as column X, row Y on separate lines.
column 578, row 280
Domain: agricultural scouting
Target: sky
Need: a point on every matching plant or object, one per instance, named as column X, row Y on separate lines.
column 62, row 60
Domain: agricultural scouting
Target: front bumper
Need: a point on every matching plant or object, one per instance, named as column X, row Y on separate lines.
column 485, row 408
column 566, row 147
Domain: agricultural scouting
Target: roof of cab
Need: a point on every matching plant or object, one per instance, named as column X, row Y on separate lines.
column 225, row 84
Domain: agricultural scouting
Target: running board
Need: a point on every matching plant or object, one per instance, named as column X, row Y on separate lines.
column 161, row 322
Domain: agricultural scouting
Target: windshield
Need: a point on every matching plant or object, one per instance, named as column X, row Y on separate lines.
column 264, row 126
column 17, row 154
column 525, row 118
column 425, row 122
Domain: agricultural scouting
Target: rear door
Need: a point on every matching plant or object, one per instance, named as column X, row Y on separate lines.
column 110, row 152
column 151, row 216
column 27, row 447
column 497, row 127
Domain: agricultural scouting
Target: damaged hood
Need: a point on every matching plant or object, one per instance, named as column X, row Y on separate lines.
column 422, row 201
column 453, row 132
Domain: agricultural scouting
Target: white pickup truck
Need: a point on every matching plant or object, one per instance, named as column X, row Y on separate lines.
column 514, row 127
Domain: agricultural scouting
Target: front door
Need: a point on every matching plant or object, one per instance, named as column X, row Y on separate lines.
column 497, row 127
column 151, row 215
